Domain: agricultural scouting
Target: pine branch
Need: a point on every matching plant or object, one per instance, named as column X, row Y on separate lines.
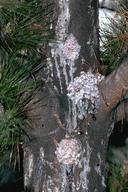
column 115, row 86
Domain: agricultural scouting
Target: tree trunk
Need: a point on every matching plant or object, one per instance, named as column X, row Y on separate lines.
column 56, row 121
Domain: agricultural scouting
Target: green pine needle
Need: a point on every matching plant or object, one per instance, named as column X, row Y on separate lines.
column 24, row 28
column 115, row 40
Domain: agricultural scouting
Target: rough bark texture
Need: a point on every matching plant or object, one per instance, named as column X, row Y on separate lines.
column 54, row 117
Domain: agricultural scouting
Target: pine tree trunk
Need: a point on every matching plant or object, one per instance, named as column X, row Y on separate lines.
column 56, row 116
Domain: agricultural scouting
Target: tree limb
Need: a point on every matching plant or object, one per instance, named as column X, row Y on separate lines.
column 115, row 86
column 122, row 110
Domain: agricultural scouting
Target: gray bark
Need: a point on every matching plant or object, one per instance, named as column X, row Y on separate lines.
column 55, row 117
